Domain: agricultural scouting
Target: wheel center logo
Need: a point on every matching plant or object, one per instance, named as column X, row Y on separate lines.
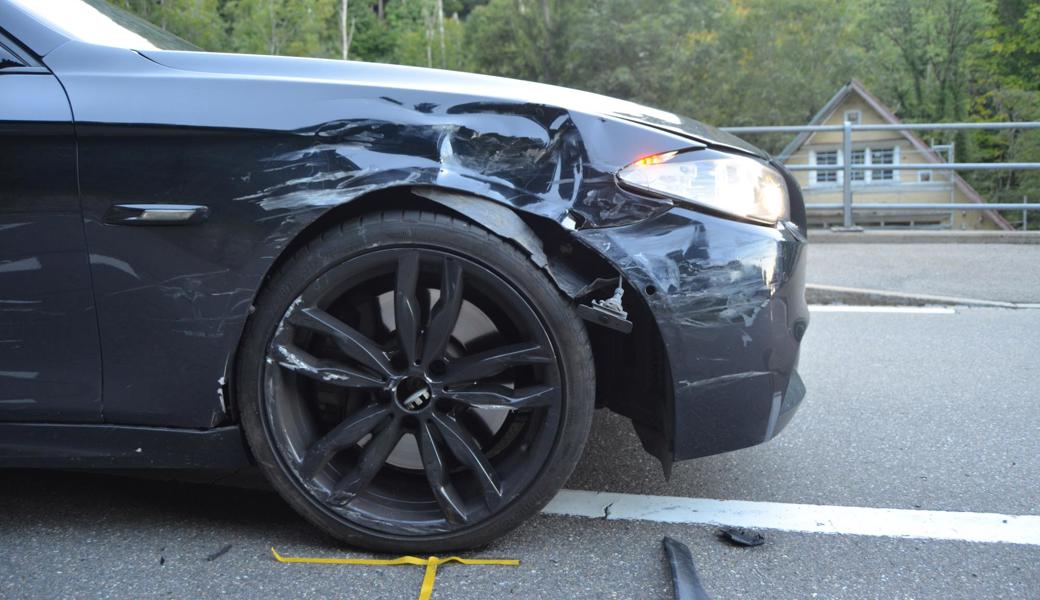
column 413, row 394
column 417, row 400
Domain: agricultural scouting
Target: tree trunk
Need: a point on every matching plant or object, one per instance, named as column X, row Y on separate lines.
column 549, row 45
column 344, row 10
column 440, row 24
column 429, row 20
column 272, row 42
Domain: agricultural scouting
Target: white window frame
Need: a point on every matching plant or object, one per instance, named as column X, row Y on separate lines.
column 813, row 181
column 867, row 175
column 858, row 119
column 864, row 176
column 922, row 174
column 895, row 161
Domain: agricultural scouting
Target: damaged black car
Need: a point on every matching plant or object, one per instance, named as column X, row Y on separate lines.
column 399, row 292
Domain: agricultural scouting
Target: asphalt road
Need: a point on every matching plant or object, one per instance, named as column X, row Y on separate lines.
column 908, row 411
column 1002, row 272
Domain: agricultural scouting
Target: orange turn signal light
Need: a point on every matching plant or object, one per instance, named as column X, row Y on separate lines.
column 654, row 159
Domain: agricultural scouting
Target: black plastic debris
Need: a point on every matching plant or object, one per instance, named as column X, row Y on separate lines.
column 218, row 553
column 685, row 583
column 741, row 537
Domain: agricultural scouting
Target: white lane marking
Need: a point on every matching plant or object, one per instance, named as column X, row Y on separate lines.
column 809, row 518
column 912, row 310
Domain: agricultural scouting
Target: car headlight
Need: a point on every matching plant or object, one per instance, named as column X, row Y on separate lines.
column 735, row 185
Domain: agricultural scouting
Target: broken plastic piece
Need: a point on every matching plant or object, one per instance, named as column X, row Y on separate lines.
column 614, row 303
column 431, row 564
column 685, row 583
column 595, row 285
column 605, row 318
column 741, row 537
column 608, row 313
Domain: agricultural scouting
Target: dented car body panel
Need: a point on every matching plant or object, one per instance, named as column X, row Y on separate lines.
column 273, row 147
column 728, row 299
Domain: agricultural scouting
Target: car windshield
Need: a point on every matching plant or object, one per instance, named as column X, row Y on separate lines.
column 98, row 22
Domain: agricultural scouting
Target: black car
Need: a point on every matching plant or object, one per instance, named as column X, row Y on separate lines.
column 399, row 292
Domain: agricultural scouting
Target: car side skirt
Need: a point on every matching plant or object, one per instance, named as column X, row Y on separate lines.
column 39, row 445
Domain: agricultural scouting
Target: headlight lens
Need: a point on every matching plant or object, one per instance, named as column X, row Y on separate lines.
column 736, row 185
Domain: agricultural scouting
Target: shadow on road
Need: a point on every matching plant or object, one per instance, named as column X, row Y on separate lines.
column 75, row 500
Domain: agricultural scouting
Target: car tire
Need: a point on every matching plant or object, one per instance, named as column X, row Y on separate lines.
column 498, row 408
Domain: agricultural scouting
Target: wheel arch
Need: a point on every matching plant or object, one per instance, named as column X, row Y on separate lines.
column 630, row 369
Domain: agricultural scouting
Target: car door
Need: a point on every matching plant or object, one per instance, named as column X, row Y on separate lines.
column 50, row 358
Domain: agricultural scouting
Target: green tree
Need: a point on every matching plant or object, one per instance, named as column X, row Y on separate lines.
column 921, row 52
column 1005, row 86
column 424, row 35
column 526, row 39
column 781, row 60
column 628, row 48
column 291, row 27
column 198, row 21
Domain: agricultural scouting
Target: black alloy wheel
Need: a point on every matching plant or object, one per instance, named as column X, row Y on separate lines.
column 424, row 392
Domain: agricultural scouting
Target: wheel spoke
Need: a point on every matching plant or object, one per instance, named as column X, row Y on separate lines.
column 492, row 362
column 344, row 436
column 372, row 459
column 445, row 313
column 474, row 423
column 500, row 395
column 299, row 361
column 351, row 341
column 471, row 456
column 437, row 475
column 407, row 310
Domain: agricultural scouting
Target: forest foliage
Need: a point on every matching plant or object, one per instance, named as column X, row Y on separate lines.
column 727, row 62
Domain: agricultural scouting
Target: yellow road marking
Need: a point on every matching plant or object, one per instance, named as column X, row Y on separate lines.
column 431, row 564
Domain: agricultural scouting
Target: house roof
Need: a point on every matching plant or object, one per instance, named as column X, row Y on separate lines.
column 855, row 87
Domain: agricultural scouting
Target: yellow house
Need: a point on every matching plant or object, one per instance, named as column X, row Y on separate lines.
column 855, row 104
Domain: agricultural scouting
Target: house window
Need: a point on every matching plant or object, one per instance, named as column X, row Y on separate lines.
column 852, row 116
column 858, row 158
column 924, row 176
column 826, row 157
column 882, row 156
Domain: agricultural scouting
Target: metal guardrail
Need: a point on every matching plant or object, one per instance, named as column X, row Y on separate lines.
column 846, row 167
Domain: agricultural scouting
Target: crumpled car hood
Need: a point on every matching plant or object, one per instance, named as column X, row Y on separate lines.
column 467, row 84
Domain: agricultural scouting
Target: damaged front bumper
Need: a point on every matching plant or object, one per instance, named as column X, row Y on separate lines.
column 728, row 300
